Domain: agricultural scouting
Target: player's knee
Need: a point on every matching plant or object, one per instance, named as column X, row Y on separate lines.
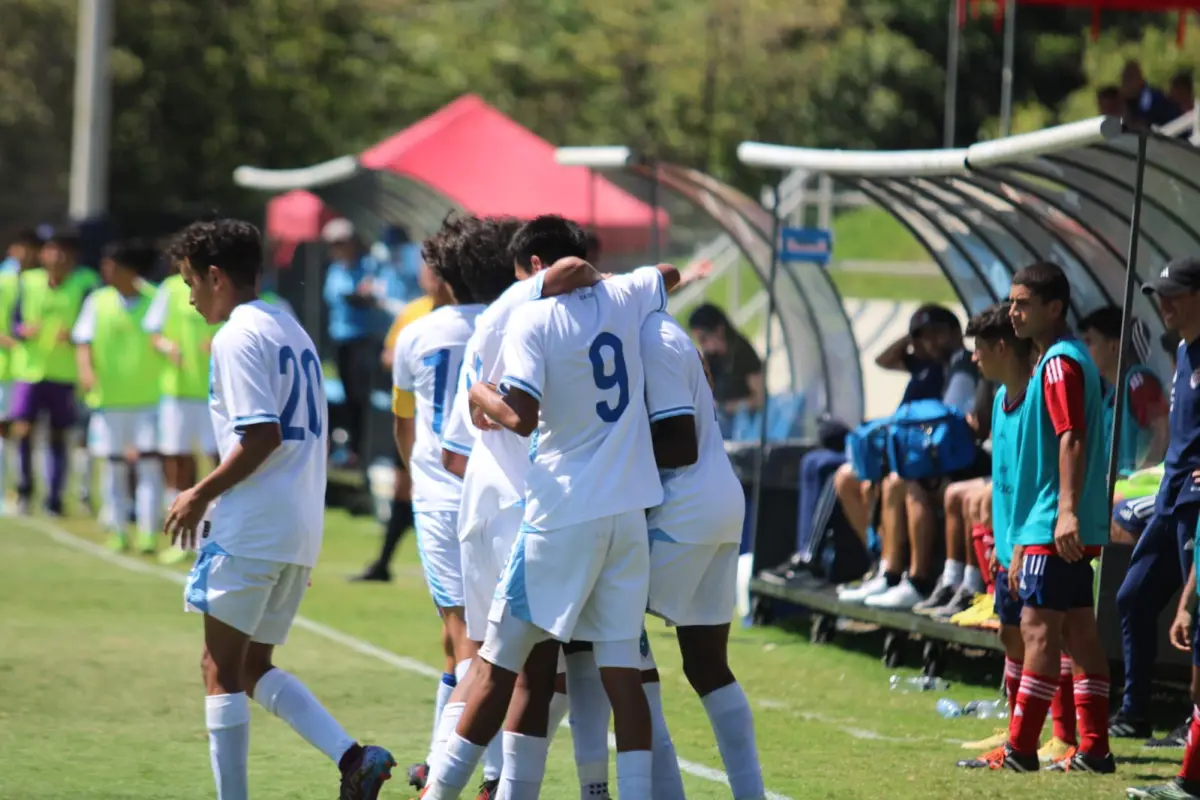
column 894, row 489
column 845, row 482
column 1035, row 633
column 705, row 671
column 953, row 501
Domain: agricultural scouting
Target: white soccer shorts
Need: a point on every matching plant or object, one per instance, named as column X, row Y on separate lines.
column 484, row 555
column 259, row 598
column 693, row 584
column 185, row 427
column 113, row 432
column 588, row 582
column 441, row 556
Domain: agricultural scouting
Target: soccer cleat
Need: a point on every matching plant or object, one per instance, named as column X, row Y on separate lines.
column 1054, row 750
column 1123, row 726
column 901, row 597
column 962, row 599
column 418, row 775
column 488, row 790
column 1176, row 738
column 868, row 588
column 117, row 542
column 940, row 597
column 365, row 776
column 1078, row 761
column 997, row 739
column 147, row 543
column 979, row 612
column 1003, row 757
column 1173, row 790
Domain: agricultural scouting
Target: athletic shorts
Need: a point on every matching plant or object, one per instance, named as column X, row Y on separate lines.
column 112, row 432
column 1133, row 515
column 692, row 584
column 259, row 598
column 53, row 400
column 185, row 427
column 1008, row 606
column 1051, row 583
column 441, row 556
column 588, row 582
column 484, row 555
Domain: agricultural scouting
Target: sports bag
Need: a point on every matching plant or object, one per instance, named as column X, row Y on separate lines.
column 929, row 439
column 866, row 450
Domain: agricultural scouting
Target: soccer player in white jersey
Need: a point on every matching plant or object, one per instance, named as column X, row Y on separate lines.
column 580, row 565
column 694, row 539
column 267, row 400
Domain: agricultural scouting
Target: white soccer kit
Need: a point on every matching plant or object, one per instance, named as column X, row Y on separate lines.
column 428, row 358
column 494, row 484
column 580, row 565
column 262, row 537
column 184, row 425
column 113, row 431
column 696, row 532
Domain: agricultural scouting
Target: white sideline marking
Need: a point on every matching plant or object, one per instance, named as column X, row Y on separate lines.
column 360, row 646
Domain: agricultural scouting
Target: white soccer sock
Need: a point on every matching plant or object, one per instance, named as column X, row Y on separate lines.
column 952, row 573
column 493, row 758
column 444, row 690
column 461, row 669
column 448, row 723
column 668, row 783
column 973, row 580
column 524, row 766
column 733, row 725
column 287, row 698
column 559, row 706
column 589, row 723
column 228, row 720
column 454, row 770
column 634, row 768
column 116, row 493
column 149, row 494
column 81, row 463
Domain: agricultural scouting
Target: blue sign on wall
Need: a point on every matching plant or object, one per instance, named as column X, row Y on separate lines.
column 806, row 246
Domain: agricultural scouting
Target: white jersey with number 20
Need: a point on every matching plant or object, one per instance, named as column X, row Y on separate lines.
column 265, row 369
column 580, row 356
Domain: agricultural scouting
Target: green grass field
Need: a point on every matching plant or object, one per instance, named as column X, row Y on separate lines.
column 99, row 668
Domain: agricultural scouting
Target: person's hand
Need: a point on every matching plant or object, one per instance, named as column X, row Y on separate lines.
column 973, row 422
column 1014, row 570
column 695, row 271
column 478, row 417
column 993, row 564
column 184, row 518
column 28, row 330
column 7, row 342
column 1195, row 478
column 1066, row 538
column 570, row 262
column 64, row 336
column 1180, row 634
column 87, row 380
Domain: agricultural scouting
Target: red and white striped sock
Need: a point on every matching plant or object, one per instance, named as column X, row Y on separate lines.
column 1091, row 702
column 1012, row 683
column 1062, row 708
column 1033, row 703
column 1190, row 771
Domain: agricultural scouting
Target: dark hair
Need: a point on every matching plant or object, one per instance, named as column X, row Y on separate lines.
column 231, row 245
column 1109, row 92
column 451, row 252
column 993, row 325
column 1047, row 282
column 1104, row 321
column 593, row 244
column 137, row 255
column 708, row 318
column 27, row 237
column 1181, row 80
column 933, row 314
column 66, row 238
column 486, row 268
column 549, row 237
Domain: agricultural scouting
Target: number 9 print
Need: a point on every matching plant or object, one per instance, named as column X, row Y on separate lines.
column 607, row 380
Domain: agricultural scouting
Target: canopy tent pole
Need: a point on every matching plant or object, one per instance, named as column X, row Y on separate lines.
column 1006, row 74
column 760, row 456
column 952, row 59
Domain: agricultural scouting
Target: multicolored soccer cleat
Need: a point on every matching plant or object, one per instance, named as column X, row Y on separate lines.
column 1174, row 790
column 1078, row 761
column 488, row 790
column 1003, row 757
column 418, row 775
column 364, row 777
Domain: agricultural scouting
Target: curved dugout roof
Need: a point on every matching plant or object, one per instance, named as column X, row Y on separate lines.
column 1064, row 194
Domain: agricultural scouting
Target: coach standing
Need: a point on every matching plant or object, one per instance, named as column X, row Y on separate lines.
column 1161, row 558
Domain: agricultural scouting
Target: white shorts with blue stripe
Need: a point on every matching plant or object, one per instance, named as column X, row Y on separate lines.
column 257, row 597
column 441, row 556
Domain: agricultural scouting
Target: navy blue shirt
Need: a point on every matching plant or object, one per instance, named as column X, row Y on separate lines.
column 1183, row 452
column 926, row 380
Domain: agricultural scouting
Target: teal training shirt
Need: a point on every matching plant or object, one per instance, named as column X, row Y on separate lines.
column 1006, row 434
column 1035, row 506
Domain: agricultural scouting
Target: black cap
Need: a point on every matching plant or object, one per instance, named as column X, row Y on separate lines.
column 1179, row 276
column 931, row 314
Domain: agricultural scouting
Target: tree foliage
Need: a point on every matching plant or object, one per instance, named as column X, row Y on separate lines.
column 202, row 86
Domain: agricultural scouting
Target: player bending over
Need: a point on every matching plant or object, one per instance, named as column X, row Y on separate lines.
column 267, row 399
column 580, row 565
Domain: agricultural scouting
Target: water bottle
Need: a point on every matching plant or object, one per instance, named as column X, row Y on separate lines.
column 991, row 709
column 949, row 709
column 923, row 683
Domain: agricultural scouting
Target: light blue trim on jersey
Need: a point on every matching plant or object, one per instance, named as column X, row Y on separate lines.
column 441, row 598
column 195, row 590
column 659, row 535
column 535, row 291
column 512, row 586
column 662, row 290
column 509, row 380
column 455, row 447
column 677, row 411
column 241, row 423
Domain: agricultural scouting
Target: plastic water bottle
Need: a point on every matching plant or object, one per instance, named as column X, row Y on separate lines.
column 921, row 683
column 949, row 709
column 991, row 709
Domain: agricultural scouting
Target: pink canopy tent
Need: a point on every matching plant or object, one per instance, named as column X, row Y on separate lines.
column 489, row 165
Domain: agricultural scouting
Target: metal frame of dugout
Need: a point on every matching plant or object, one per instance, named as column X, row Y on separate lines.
column 1108, row 204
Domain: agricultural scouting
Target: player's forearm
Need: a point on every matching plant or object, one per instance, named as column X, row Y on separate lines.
column 568, row 274
column 1071, row 452
column 1188, row 600
column 496, row 406
column 83, row 360
column 404, row 433
column 893, row 355
column 256, row 446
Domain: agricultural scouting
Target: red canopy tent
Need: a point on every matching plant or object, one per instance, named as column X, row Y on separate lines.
column 487, row 163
